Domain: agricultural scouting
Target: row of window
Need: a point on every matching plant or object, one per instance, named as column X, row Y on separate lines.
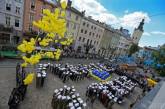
column 90, row 33
column 8, row 20
column 8, row 8
column 70, row 15
column 88, row 41
column 92, row 27
column 74, row 25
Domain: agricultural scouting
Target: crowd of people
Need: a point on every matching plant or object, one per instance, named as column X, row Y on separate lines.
column 67, row 98
column 67, row 71
column 134, row 76
column 69, row 52
column 76, row 73
column 110, row 92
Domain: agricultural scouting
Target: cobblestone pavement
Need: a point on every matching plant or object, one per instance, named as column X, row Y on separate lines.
column 41, row 98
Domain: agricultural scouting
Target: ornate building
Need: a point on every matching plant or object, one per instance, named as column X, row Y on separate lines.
column 89, row 35
column 138, row 33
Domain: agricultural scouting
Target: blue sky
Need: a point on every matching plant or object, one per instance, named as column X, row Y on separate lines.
column 128, row 13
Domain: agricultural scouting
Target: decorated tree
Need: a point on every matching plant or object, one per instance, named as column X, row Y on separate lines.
column 53, row 25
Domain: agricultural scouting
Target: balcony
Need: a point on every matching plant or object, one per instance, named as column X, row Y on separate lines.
column 6, row 29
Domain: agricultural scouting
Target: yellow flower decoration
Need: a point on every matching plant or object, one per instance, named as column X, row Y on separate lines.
column 49, row 54
column 29, row 79
column 24, row 64
column 63, row 14
column 27, row 46
column 63, row 5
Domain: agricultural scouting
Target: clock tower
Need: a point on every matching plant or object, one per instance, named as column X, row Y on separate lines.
column 138, row 32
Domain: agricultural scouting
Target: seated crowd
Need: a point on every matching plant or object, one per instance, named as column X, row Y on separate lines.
column 67, row 98
column 111, row 91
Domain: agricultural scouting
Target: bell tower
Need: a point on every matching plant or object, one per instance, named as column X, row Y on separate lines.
column 138, row 32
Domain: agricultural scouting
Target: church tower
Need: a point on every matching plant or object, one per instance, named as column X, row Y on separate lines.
column 138, row 32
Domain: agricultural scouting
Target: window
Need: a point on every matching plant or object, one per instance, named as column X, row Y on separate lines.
column 76, row 17
column 90, row 34
column 96, row 35
column 85, row 31
column 74, row 26
column 8, row 20
column 99, row 36
column 30, row 28
column 94, row 42
column 90, row 42
column 93, row 34
column 87, row 25
column 31, row 18
column 87, row 41
column 67, row 24
column 32, row 4
column 42, row 8
column 70, row 15
column 83, row 39
column 97, row 42
column 8, row 6
column 17, row 10
column 16, row 22
column 95, row 28
column 92, row 27
column 79, row 39
column 82, row 30
column 83, row 23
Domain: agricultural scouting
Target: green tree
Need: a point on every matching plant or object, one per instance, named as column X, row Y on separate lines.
column 134, row 48
column 159, row 57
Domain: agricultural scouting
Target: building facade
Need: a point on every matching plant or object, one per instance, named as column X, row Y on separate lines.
column 11, row 15
column 124, row 43
column 109, row 42
column 89, row 35
column 138, row 33
column 73, row 17
column 123, row 46
column 33, row 12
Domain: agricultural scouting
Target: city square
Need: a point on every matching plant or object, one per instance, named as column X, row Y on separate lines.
column 78, row 54
column 41, row 98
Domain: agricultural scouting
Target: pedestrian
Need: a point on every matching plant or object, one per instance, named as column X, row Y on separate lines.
column 14, row 99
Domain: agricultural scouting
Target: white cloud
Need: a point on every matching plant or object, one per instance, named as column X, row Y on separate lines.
column 96, row 10
column 146, row 34
column 99, row 12
column 133, row 19
column 158, row 33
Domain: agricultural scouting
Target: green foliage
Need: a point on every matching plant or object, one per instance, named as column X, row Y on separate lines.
column 134, row 48
column 159, row 57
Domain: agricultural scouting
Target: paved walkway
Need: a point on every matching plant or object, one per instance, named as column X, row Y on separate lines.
column 159, row 100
